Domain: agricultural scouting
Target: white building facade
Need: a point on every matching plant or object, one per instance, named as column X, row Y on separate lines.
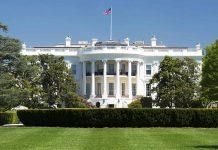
column 113, row 74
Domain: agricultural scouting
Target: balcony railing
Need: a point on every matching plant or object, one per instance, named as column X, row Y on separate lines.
column 99, row 72
column 148, row 51
column 111, row 73
column 123, row 73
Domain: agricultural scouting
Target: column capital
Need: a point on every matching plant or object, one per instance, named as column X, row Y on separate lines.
column 118, row 60
column 104, row 61
column 130, row 60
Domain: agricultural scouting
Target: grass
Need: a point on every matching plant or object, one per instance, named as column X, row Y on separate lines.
column 108, row 138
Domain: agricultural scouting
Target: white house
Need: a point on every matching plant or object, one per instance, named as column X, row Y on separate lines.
column 112, row 73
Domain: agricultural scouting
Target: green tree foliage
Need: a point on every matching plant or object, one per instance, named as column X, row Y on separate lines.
column 34, row 80
column 10, row 93
column 209, row 81
column 176, row 83
column 3, row 27
column 56, row 79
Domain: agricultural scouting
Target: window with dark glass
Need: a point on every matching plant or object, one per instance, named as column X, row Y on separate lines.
column 88, row 69
column 73, row 67
column 134, row 67
column 148, row 90
column 134, row 89
column 111, row 89
column 111, row 69
column 123, row 69
column 123, row 89
column 148, row 69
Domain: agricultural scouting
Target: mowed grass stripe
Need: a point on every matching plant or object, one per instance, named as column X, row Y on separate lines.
column 107, row 138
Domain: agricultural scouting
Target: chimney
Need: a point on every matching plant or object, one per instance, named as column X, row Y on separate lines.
column 153, row 41
column 68, row 41
column 126, row 41
column 94, row 41
column 198, row 46
column 24, row 46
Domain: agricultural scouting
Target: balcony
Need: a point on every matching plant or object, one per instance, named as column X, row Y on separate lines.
column 99, row 72
column 111, row 73
column 88, row 73
column 133, row 73
column 122, row 72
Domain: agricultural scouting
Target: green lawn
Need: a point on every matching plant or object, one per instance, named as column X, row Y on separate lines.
column 108, row 138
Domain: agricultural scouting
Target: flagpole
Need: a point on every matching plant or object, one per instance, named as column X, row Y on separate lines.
column 111, row 24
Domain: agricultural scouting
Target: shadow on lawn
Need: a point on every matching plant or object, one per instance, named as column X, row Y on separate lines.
column 207, row 146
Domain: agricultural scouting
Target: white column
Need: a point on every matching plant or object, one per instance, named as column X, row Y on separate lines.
column 93, row 80
column 129, row 78
column 84, row 78
column 137, row 78
column 104, row 95
column 118, row 79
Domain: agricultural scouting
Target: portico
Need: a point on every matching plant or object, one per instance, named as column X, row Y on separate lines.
column 111, row 78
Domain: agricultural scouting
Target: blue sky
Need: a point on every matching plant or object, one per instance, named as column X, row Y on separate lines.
column 175, row 23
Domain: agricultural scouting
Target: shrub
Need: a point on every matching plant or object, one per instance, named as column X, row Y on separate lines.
column 120, row 117
column 146, row 102
column 8, row 118
column 135, row 104
column 142, row 102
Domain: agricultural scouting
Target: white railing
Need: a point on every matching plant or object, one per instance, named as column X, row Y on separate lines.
column 114, row 49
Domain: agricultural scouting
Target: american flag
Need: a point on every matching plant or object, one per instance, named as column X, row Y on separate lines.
column 107, row 12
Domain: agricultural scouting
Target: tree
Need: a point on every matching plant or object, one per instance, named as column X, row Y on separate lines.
column 3, row 27
column 10, row 94
column 56, row 79
column 209, row 81
column 27, row 73
column 176, row 82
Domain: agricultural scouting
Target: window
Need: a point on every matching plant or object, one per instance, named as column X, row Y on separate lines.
column 123, row 89
column 73, row 67
column 134, row 69
column 88, row 69
column 123, row 70
column 111, row 69
column 134, row 89
column 99, row 69
column 111, row 89
column 148, row 69
column 88, row 92
column 98, row 89
column 148, row 90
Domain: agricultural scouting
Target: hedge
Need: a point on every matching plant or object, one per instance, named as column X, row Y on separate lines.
column 8, row 118
column 120, row 117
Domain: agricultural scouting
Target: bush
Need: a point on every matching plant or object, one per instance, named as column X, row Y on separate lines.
column 146, row 102
column 8, row 118
column 135, row 104
column 142, row 102
column 120, row 117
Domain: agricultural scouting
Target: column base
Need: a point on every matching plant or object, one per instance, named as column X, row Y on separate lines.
column 92, row 96
column 104, row 96
column 117, row 95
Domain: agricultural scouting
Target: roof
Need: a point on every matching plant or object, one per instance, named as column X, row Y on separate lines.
column 110, row 43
